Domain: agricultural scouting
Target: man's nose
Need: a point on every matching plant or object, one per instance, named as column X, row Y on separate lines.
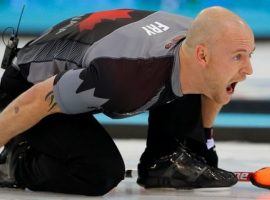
column 247, row 70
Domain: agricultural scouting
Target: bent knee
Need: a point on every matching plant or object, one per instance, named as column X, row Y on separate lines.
column 104, row 186
column 101, row 181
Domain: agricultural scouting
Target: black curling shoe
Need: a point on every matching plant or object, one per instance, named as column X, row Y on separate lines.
column 183, row 170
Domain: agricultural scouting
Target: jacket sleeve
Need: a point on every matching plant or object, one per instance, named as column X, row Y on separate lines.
column 74, row 91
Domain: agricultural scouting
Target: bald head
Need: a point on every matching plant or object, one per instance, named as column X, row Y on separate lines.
column 211, row 24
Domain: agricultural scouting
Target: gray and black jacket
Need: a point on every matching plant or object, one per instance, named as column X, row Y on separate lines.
column 119, row 62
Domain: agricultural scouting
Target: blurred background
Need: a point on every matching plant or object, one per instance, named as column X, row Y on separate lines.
column 246, row 118
column 40, row 15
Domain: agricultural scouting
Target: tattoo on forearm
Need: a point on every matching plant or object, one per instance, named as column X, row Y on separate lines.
column 50, row 97
column 16, row 109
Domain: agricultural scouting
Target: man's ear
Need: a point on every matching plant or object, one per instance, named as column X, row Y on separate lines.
column 201, row 54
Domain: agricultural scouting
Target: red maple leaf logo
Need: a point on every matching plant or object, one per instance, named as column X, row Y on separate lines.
column 90, row 22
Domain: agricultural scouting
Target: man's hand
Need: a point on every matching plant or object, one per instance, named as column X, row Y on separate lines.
column 27, row 110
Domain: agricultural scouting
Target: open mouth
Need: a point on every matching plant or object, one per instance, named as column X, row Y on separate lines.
column 230, row 88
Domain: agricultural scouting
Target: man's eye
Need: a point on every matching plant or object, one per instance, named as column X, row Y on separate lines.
column 237, row 57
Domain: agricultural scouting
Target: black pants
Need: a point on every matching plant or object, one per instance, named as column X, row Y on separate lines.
column 74, row 154
column 70, row 154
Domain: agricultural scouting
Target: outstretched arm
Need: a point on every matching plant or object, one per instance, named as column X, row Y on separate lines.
column 27, row 110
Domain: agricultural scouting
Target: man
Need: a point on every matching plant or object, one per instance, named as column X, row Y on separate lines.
column 121, row 63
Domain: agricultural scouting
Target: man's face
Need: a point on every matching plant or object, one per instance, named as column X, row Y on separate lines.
column 228, row 64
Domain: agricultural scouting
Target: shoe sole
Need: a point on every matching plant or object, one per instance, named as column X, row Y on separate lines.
column 173, row 184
